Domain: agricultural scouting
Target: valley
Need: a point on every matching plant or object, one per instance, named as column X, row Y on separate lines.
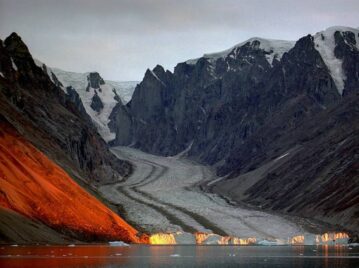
column 162, row 196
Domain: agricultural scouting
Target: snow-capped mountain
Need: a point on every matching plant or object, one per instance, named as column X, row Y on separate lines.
column 274, row 49
column 325, row 44
column 98, row 96
column 284, row 110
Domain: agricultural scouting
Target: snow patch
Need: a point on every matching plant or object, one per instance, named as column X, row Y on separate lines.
column 280, row 157
column 13, row 64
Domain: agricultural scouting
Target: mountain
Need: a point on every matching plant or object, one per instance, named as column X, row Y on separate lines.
column 284, row 111
column 97, row 95
column 50, row 153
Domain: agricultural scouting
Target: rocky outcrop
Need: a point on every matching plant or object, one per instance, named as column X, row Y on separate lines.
column 96, row 103
column 95, row 80
column 74, row 97
column 239, row 109
column 121, row 114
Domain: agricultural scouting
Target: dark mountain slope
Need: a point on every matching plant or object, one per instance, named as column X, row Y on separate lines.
column 316, row 173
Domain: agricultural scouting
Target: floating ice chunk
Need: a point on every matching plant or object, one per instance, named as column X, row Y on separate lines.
column 266, row 242
column 118, row 244
column 175, row 255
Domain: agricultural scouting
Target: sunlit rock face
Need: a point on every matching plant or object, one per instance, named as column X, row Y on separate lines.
column 34, row 186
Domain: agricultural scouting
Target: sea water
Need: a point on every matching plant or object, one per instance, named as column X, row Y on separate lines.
column 178, row 256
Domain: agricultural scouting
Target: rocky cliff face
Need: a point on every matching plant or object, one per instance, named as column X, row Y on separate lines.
column 96, row 103
column 94, row 81
column 52, row 120
column 241, row 108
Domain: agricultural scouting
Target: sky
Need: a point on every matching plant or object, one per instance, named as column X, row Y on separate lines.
column 122, row 38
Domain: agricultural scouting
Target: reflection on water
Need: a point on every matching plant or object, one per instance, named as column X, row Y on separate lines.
column 179, row 256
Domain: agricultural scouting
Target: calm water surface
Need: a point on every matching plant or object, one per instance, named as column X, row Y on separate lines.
column 179, row 256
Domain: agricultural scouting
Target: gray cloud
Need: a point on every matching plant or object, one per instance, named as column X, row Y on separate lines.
column 120, row 39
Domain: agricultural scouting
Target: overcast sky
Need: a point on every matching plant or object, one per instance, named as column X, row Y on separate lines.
column 121, row 39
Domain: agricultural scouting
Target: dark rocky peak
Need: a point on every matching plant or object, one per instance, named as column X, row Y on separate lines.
column 20, row 57
column 153, row 78
column 19, row 67
column 15, row 45
column 305, row 72
column 94, row 80
column 148, row 95
column 117, row 97
column 74, row 97
column 44, row 68
column 96, row 103
column 159, row 71
column 121, row 124
column 304, row 49
column 56, row 80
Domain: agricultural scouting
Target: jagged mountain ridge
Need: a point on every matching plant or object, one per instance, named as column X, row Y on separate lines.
column 97, row 95
column 219, row 107
column 44, row 129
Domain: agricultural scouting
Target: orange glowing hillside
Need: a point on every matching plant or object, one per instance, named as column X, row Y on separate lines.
column 32, row 185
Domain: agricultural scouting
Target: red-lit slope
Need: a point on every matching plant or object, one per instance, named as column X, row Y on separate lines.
column 33, row 185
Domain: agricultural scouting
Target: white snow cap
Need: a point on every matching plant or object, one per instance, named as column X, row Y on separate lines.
column 275, row 48
column 325, row 45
